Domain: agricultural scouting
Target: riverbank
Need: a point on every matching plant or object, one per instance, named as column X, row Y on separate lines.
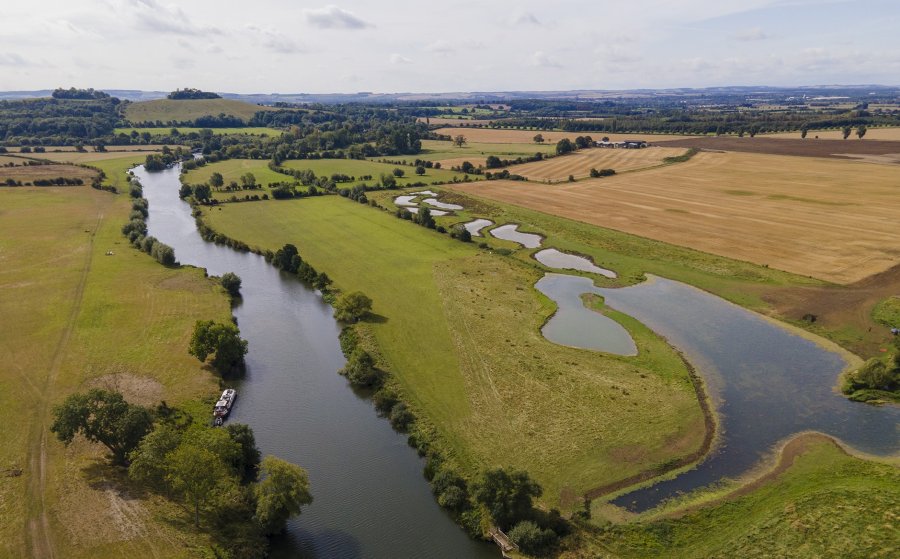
column 83, row 309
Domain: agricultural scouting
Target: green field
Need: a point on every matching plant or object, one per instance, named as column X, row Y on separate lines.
column 232, row 169
column 166, row 130
column 167, row 110
column 887, row 312
column 75, row 317
column 114, row 164
column 359, row 167
column 434, row 150
column 827, row 504
column 460, row 329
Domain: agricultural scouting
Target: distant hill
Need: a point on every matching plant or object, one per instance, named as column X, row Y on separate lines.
column 182, row 110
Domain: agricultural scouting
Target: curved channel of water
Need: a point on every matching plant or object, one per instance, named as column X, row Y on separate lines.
column 370, row 499
column 766, row 383
column 475, row 226
column 509, row 232
column 576, row 325
column 553, row 258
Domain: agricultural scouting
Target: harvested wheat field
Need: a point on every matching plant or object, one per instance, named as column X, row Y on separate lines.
column 502, row 136
column 886, row 133
column 827, row 218
column 580, row 163
column 29, row 173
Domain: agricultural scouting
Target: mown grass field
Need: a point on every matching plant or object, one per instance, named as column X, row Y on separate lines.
column 31, row 173
column 166, row 110
column 826, row 504
column 839, row 215
column 476, row 152
column 509, row 136
column 74, row 318
column 580, row 163
column 460, row 330
column 166, row 130
column 114, row 165
column 233, row 169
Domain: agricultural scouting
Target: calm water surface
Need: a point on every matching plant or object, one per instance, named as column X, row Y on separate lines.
column 370, row 497
column 766, row 383
column 509, row 232
column 553, row 258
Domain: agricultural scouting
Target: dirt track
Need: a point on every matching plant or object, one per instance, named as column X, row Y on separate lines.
column 844, row 149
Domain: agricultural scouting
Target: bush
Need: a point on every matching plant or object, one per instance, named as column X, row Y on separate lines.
column 460, row 232
column 352, row 307
column 360, row 369
column 531, row 538
column 401, row 418
column 232, row 284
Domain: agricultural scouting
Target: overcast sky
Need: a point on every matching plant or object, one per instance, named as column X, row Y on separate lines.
column 294, row 46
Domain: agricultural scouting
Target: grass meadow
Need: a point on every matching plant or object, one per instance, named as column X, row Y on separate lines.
column 166, row 110
column 75, row 317
column 460, row 329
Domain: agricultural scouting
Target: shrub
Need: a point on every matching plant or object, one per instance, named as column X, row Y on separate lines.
column 360, row 369
column 531, row 538
column 232, row 284
column 401, row 418
column 352, row 307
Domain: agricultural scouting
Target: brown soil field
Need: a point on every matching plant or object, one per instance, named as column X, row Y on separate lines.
column 871, row 134
column 850, row 149
column 502, row 136
column 29, row 173
column 830, row 219
column 580, row 163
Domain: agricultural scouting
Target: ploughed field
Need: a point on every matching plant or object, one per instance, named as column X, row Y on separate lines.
column 830, row 219
column 579, row 163
column 875, row 151
column 459, row 327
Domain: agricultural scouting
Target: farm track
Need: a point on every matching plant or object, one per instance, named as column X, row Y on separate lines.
column 40, row 541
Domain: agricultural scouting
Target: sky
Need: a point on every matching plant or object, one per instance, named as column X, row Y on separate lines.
column 298, row 46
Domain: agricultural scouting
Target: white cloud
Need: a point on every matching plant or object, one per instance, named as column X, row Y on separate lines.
column 12, row 59
column 399, row 59
column 275, row 41
column 440, row 47
column 333, row 17
column 150, row 15
column 543, row 60
column 752, row 34
column 526, row 18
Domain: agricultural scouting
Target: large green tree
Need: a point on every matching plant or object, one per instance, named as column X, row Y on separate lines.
column 281, row 492
column 198, row 475
column 221, row 340
column 506, row 495
column 104, row 417
column 352, row 306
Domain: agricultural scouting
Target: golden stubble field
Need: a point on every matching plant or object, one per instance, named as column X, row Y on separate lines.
column 871, row 134
column 580, row 163
column 831, row 219
column 502, row 136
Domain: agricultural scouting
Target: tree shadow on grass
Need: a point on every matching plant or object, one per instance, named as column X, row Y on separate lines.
column 375, row 318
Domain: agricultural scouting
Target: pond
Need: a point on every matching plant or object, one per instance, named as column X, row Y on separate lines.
column 474, row 227
column 442, row 205
column 509, row 232
column 553, row 258
column 370, row 498
column 574, row 324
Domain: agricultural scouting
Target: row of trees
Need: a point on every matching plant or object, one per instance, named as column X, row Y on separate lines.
column 136, row 228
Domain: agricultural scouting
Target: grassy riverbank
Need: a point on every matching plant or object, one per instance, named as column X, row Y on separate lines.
column 818, row 502
column 75, row 317
column 460, row 329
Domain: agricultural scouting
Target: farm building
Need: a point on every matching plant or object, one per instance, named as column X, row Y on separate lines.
column 625, row 144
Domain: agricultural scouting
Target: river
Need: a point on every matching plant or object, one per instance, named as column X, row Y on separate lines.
column 370, row 498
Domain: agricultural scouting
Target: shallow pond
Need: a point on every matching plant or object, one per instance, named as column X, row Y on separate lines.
column 406, row 200
column 425, row 193
column 435, row 213
column 766, row 383
column 553, row 258
column 574, row 324
column 442, row 205
column 370, row 498
column 475, row 227
column 509, row 232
